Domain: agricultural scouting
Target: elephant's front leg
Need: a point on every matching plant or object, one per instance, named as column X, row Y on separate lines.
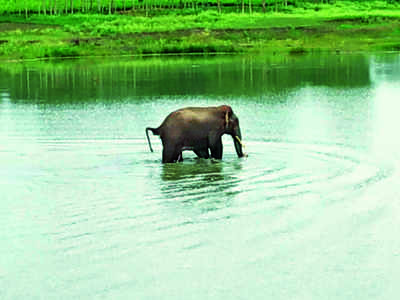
column 216, row 147
column 202, row 152
column 180, row 157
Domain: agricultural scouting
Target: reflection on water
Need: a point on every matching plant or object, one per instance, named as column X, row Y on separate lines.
column 194, row 181
column 91, row 80
column 208, row 170
column 87, row 211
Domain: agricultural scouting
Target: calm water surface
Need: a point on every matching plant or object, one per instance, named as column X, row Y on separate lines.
column 88, row 212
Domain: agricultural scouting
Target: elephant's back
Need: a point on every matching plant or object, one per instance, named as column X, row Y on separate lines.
column 186, row 119
column 189, row 114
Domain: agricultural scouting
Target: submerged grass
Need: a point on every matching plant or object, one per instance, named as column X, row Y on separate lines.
column 344, row 26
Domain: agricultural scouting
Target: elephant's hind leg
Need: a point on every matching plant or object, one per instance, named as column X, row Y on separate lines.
column 171, row 154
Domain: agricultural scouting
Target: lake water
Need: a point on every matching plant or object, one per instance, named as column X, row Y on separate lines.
column 88, row 212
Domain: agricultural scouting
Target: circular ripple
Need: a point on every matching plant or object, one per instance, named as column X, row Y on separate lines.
column 274, row 170
column 319, row 168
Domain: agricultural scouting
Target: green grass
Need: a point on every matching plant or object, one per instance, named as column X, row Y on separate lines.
column 345, row 26
column 153, row 6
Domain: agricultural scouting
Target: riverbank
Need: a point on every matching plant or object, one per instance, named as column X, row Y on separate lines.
column 339, row 27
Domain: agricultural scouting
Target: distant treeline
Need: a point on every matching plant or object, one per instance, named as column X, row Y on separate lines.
column 58, row 7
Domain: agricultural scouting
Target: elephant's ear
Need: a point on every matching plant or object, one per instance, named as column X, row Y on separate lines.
column 227, row 113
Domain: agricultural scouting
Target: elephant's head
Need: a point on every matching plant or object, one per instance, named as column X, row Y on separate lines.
column 232, row 128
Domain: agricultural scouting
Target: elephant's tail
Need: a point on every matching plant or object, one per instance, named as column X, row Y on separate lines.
column 155, row 131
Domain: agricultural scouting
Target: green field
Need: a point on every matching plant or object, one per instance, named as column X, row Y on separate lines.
column 57, row 7
column 305, row 27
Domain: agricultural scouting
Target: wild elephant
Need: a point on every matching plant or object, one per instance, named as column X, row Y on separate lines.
column 198, row 129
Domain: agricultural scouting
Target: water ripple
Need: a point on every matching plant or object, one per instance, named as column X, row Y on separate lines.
column 275, row 170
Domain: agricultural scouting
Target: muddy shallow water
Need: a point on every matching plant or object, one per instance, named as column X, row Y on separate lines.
column 87, row 211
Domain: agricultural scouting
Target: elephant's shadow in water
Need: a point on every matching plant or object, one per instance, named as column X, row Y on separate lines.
column 208, row 170
column 200, row 180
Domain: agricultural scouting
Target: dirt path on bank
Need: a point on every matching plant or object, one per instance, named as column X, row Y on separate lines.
column 8, row 26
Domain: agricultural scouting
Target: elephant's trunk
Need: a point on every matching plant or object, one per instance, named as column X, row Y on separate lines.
column 237, row 140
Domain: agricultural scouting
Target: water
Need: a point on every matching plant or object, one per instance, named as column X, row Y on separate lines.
column 88, row 212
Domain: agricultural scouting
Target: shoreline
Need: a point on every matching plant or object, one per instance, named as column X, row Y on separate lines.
column 186, row 55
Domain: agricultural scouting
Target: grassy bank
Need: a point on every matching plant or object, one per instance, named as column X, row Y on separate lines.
column 343, row 26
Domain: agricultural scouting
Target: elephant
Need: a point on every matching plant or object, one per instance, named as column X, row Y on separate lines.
column 198, row 129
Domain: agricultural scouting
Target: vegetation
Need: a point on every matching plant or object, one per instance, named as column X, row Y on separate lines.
column 57, row 7
column 156, row 7
column 65, row 28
